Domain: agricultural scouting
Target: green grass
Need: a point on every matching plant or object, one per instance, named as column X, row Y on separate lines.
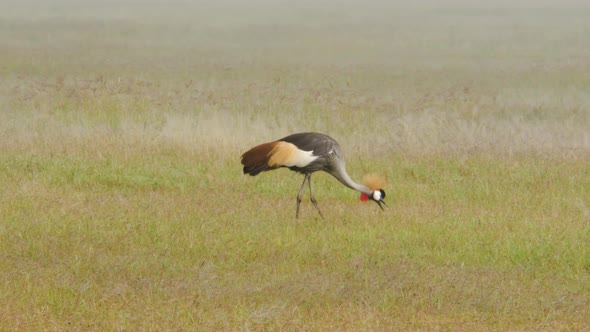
column 146, row 246
column 123, row 204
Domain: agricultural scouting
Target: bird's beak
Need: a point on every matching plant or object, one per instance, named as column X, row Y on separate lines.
column 381, row 202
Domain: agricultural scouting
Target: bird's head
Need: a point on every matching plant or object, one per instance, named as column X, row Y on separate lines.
column 377, row 196
column 374, row 183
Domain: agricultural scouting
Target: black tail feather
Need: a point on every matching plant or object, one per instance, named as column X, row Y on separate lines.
column 256, row 169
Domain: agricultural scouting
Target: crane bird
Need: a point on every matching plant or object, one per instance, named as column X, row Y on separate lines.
column 307, row 153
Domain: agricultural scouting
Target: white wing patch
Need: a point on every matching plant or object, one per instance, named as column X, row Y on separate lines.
column 287, row 154
column 301, row 158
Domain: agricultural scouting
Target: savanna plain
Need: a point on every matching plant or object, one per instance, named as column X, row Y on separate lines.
column 122, row 200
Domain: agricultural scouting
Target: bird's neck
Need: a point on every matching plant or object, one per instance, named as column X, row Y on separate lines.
column 340, row 174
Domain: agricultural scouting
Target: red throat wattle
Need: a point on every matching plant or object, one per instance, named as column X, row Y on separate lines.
column 364, row 197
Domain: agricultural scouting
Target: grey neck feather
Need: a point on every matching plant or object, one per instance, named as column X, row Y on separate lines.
column 339, row 173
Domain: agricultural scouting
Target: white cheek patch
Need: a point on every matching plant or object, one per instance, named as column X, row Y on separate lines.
column 377, row 195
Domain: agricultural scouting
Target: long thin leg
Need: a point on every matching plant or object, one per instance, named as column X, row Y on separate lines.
column 312, row 198
column 300, row 194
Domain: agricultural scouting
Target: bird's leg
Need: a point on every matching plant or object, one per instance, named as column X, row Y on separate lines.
column 312, row 199
column 306, row 178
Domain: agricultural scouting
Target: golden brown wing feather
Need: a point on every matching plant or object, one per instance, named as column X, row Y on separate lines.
column 268, row 156
column 255, row 160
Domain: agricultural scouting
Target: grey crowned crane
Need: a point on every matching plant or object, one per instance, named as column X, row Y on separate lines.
column 307, row 153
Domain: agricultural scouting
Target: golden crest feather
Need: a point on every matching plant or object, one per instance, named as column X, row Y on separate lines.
column 374, row 181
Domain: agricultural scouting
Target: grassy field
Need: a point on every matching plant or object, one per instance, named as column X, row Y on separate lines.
column 122, row 200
